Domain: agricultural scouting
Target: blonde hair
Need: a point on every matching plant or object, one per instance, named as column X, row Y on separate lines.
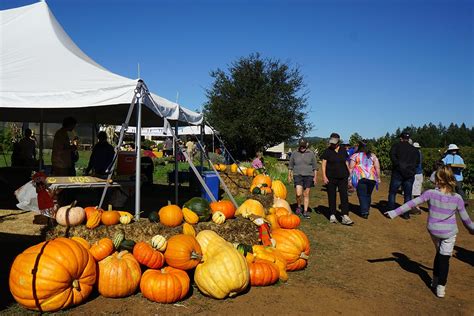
column 445, row 178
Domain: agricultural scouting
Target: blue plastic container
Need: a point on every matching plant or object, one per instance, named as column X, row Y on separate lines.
column 212, row 181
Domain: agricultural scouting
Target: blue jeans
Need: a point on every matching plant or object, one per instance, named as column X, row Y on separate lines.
column 365, row 187
column 395, row 182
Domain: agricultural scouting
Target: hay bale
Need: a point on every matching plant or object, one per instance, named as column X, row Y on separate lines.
column 233, row 230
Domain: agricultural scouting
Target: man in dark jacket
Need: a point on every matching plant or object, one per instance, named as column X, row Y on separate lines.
column 405, row 159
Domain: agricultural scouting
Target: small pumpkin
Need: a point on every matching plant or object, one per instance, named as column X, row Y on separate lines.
column 277, row 202
column 293, row 244
column 167, row 285
column 125, row 220
column 153, row 217
column 255, row 190
column 110, row 217
column 243, row 248
column 148, row 256
column 82, row 241
column 123, row 213
column 279, row 189
column 159, row 242
column 250, row 172
column 289, row 221
column 171, row 215
column 94, row 219
column 52, row 275
column 188, row 229
column 263, row 273
column 89, row 210
column 127, row 244
column 250, row 206
column 119, row 275
column 222, row 167
column 102, row 248
column 183, row 252
column 233, row 168
column 262, row 180
column 273, row 219
column 118, row 238
column 70, row 216
column 273, row 255
column 280, row 211
column 199, row 206
column 218, row 217
column 189, row 216
column 224, row 206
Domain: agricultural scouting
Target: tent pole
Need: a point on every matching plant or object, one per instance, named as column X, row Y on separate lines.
column 41, row 144
column 202, row 148
column 138, row 161
column 176, row 174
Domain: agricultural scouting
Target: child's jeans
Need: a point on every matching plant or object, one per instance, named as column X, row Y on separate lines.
column 444, row 246
column 444, row 250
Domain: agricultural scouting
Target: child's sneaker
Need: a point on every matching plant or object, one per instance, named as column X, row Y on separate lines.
column 306, row 215
column 346, row 220
column 440, row 290
column 298, row 211
column 434, row 282
column 332, row 219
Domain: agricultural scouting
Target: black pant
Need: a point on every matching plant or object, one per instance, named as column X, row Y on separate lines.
column 341, row 185
column 441, row 268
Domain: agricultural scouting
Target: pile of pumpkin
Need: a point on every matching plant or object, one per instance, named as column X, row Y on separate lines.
column 234, row 168
column 62, row 272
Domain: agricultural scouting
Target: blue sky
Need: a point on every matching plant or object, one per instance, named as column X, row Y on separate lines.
column 369, row 66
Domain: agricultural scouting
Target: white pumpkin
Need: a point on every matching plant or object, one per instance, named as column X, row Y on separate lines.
column 159, row 243
column 218, row 217
column 124, row 219
column 70, row 216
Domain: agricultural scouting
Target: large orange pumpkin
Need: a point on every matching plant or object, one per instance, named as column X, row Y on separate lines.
column 263, row 273
column 82, row 241
column 171, row 215
column 102, row 248
column 119, row 275
column 167, row 285
column 293, row 244
column 279, row 189
column 148, row 256
column 183, row 252
column 224, row 206
column 289, row 221
column 263, row 180
column 52, row 275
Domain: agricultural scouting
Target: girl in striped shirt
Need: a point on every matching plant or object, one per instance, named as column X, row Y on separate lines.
column 444, row 204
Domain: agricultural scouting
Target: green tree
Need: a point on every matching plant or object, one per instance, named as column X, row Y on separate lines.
column 257, row 102
column 355, row 139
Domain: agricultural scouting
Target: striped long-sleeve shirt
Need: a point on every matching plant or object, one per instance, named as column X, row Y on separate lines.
column 442, row 213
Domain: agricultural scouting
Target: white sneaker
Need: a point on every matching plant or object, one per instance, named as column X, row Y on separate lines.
column 332, row 219
column 434, row 282
column 346, row 220
column 440, row 290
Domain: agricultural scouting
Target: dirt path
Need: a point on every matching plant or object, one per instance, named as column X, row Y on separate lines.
column 376, row 266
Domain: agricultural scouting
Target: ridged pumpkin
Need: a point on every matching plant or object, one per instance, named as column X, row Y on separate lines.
column 224, row 206
column 188, row 229
column 250, row 206
column 199, row 206
column 89, row 210
column 218, row 217
column 279, row 189
column 82, row 241
column 110, row 217
column 52, row 275
column 262, row 180
column 118, row 238
column 224, row 271
column 119, row 275
column 289, row 221
column 102, row 248
column 263, row 273
column 127, row 214
column 148, row 256
column 293, row 244
column 167, row 285
column 273, row 219
column 183, row 252
column 189, row 216
column 125, row 220
column 277, row 202
column 171, row 215
column 159, row 242
column 273, row 255
column 70, row 216
column 94, row 219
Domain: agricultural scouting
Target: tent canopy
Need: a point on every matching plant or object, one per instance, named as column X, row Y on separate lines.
column 161, row 131
column 45, row 76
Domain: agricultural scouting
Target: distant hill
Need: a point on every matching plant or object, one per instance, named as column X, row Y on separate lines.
column 311, row 140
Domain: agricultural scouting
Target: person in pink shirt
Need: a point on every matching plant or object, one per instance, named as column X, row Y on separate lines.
column 257, row 163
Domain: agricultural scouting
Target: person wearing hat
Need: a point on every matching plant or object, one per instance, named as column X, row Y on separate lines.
column 302, row 170
column 418, row 183
column 335, row 175
column 454, row 159
column 405, row 159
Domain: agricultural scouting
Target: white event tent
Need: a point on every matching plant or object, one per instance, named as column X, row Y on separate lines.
column 45, row 76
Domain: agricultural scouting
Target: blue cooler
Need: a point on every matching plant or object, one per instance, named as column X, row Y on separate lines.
column 212, row 181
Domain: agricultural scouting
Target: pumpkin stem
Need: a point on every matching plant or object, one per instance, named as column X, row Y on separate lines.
column 304, row 256
column 195, row 255
column 76, row 285
column 110, row 207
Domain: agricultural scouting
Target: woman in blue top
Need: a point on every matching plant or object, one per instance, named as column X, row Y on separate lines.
column 454, row 159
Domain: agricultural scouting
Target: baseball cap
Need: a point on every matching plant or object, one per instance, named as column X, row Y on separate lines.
column 416, row 145
column 334, row 138
column 405, row 135
column 302, row 143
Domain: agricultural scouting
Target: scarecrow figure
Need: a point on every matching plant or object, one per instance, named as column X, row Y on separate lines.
column 264, row 236
column 46, row 203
